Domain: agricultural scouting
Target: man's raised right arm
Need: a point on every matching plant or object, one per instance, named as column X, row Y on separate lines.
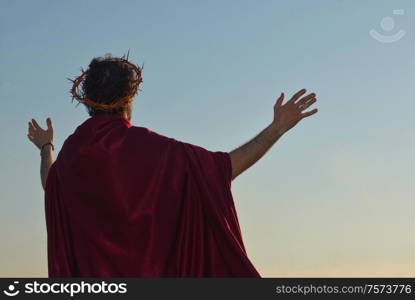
column 286, row 116
column 42, row 139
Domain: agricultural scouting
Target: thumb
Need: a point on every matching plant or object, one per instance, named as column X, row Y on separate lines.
column 279, row 101
column 49, row 123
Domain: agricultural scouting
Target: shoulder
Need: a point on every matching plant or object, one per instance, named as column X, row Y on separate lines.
column 151, row 134
column 145, row 136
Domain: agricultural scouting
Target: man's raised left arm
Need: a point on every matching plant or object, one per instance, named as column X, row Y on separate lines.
column 286, row 116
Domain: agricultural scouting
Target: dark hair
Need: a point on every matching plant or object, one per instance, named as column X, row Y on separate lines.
column 107, row 81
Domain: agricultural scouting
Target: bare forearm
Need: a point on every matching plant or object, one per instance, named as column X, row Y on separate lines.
column 246, row 155
column 45, row 163
column 285, row 117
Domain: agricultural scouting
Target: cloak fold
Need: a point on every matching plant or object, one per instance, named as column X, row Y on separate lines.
column 124, row 201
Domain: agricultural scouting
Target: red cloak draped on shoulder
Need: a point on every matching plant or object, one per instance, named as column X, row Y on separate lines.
column 124, row 201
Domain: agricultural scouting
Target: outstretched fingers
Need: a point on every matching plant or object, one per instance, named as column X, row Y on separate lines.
column 305, row 99
column 309, row 113
column 49, row 123
column 307, row 104
column 31, row 131
column 297, row 95
column 36, row 125
column 31, row 127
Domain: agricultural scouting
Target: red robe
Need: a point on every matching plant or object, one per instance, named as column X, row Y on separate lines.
column 124, row 201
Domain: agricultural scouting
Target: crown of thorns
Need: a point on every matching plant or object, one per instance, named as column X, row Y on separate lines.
column 117, row 103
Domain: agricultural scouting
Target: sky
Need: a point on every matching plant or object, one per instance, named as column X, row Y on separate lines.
column 333, row 197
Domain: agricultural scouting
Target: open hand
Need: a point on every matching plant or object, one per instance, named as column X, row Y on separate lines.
column 39, row 136
column 289, row 114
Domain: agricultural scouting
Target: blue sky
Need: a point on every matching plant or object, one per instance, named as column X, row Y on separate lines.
column 334, row 197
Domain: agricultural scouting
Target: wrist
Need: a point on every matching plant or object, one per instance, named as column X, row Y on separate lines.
column 48, row 145
column 276, row 129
